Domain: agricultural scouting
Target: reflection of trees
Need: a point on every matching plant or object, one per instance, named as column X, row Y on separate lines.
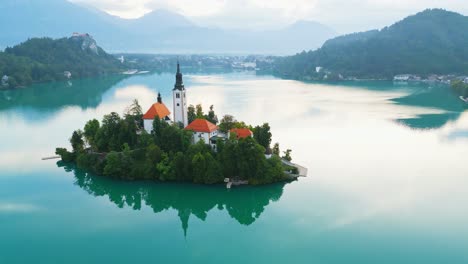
column 50, row 97
column 244, row 204
column 438, row 96
column 430, row 121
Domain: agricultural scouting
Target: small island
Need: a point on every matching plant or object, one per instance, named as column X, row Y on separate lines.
column 191, row 147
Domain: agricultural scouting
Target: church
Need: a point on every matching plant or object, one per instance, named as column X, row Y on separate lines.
column 202, row 129
column 160, row 110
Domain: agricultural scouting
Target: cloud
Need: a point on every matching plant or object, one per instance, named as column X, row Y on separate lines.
column 345, row 16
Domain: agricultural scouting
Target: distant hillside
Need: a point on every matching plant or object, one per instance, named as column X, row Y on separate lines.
column 431, row 42
column 46, row 59
column 157, row 32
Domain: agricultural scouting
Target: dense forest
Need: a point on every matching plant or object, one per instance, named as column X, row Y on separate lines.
column 119, row 148
column 46, row 59
column 434, row 41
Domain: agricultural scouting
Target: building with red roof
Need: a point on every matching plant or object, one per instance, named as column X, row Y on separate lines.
column 242, row 132
column 203, row 130
column 157, row 109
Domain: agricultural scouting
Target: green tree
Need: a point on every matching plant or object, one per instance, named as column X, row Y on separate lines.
column 118, row 165
column 154, row 155
column 107, row 137
column 199, row 168
column 213, row 173
column 227, row 123
column 199, row 111
column 128, row 131
column 212, row 116
column 158, row 126
column 191, row 114
column 287, row 155
column 144, row 139
column 165, row 169
column 90, row 130
column 65, row 155
column 77, row 141
column 263, row 135
column 274, row 170
column 134, row 109
column 276, row 149
column 251, row 159
column 172, row 139
column 178, row 163
column 228, row 157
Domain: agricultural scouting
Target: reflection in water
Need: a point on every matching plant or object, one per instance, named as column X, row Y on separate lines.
column 436, row 96
column 430, row 96
column 244, row 204
column 34, row 102
column 429, row 121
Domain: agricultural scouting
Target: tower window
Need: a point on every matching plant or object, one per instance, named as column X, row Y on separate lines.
column 177, row 95
column 178, row 104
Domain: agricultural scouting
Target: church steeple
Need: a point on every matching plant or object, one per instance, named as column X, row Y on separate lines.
column 180, row 100
column 179, row 85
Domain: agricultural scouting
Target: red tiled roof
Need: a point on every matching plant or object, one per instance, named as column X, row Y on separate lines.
column 242, row 132
column 157, row 109
column 202, row 125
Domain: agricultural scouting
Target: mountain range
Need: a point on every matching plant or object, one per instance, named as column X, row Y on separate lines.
column 160, row 31
column 434, row 41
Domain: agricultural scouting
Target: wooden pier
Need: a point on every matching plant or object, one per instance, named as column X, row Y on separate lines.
column 51, row 158
column 230, row 183
column 302, row 171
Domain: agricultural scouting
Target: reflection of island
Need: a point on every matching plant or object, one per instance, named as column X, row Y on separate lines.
column 51, row 97
column 436, row 96
column 244, row 204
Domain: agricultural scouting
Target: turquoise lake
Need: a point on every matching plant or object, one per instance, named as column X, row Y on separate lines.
column 387, row 177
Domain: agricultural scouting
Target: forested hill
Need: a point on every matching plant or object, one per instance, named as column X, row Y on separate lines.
column 46, row 59
column 434, row 41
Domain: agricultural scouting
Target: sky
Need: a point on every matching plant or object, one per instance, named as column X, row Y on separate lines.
column 344, row 16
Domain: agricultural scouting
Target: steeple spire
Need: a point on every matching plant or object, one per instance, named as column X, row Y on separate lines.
column 179, row 85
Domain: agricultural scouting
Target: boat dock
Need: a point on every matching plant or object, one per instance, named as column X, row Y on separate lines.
column 50, row 158
column 302, row 171
column 230, row 183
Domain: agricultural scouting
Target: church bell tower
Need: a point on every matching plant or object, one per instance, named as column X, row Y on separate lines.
column 180, row 100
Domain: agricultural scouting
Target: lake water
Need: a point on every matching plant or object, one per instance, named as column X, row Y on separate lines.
column 387, row 183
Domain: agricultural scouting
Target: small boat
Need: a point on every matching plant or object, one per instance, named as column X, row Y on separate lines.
column 464, row 99
column 130, row 72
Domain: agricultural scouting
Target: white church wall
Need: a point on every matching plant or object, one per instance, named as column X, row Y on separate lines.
column 148, row 125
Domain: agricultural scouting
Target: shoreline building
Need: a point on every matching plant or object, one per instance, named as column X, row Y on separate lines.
column 180, row 100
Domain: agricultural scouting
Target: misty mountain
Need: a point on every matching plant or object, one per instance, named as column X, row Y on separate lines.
column 434, row 41
column 160, row 31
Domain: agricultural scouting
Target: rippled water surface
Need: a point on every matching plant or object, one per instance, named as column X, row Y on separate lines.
column 387, row 183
